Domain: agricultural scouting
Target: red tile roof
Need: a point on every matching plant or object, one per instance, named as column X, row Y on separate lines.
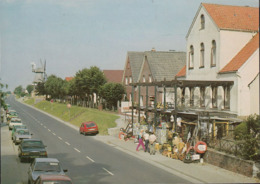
column 68, row 78
column 234, row 17
column 182, row 72
column 242, row 55
column 114, row 75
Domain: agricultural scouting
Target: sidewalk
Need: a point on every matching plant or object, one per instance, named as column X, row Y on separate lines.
column 194, row 172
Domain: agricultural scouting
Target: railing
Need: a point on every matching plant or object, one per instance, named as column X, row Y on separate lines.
column 227, row 146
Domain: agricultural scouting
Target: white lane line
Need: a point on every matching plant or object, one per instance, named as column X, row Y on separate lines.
column 108, row 171
column 53, row 133
column 67, row 143
column 90, row 159
column 41, row 124
column 49, row 130
column 76, row 150
column 44, row 126
column 60, row 138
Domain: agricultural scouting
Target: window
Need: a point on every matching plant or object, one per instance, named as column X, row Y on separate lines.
column 130, row 80
column 192, row 97
column 202, row 22
column 150, row 78
column 202, row 55
column 214, row 97
column 227, row 97
column 126, row 81
column 213, row 53
column 182, row 96
column 143, row 78
column 191, row 57
column 202, row 96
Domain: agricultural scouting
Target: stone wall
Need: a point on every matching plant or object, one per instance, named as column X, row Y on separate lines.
column 231, row 163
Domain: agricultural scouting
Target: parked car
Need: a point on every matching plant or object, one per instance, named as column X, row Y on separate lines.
column 14, row 121
column 11, row 114
column 15, row 127
column 20, row 135
column 48, row 166
column 30, row 149
column 55, row 179
column 89, row 127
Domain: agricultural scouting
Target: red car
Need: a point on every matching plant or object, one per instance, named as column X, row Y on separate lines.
column 89, row 127
column 61, row 179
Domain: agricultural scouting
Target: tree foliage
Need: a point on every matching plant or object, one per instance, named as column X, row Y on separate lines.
column 29, row 88
column 56, row 87
column 248, row 132
column 112, row 92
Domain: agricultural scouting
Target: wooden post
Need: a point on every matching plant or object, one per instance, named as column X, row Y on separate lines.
column 175, row 105
column 139, row 101
column 213, row 129
column 155, row 104
column 146, row 104
column 227, row 128
column 132, row 98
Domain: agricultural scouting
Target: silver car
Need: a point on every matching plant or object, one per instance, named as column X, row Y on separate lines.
column 44, row 166
column 21, row 134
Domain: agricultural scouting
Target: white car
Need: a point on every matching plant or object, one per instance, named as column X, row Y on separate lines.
column 14, row 121
column 21, row 134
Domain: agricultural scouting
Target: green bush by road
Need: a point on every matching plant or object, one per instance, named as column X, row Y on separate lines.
column 76, row 115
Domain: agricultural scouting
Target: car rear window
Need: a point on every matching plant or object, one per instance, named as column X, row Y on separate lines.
column 47, row 167
column 23, row 132
column 91, row 124
column 56, row 182
column 32, row 144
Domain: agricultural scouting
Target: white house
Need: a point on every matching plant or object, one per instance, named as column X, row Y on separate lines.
column 222, row 52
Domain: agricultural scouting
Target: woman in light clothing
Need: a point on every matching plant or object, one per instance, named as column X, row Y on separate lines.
column 152, row 139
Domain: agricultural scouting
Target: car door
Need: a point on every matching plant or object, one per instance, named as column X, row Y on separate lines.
column 30, row 170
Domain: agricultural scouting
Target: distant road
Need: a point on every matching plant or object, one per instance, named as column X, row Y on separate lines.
column 87, row 160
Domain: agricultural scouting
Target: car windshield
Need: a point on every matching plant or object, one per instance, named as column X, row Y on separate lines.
column 47, row 166
column 56, row 182
column 16, row 122
column 33, row 144
column 23, row 132
column 91, row 125
column 16, row 127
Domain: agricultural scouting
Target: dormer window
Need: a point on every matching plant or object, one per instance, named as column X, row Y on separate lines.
column 143, row 78
column 202, row 55
column 202, row 22
column 191, row 57
column 213, row 53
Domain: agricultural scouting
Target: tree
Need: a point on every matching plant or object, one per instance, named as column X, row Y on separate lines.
column 29, row 88
column 55, row 87
column 249, row 133
column 40, row 88
column 18, row 90
column 112, row 93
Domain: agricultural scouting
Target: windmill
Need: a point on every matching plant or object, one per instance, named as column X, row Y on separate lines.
column 40, row 73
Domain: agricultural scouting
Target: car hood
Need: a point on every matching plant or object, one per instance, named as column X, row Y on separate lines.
column 35, row 174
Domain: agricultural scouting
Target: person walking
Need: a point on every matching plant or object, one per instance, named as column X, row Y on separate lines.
column 152, row 139
column 146, row 141
column 140, row 140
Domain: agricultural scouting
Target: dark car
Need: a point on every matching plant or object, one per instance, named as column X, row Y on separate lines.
column 30, row 149
column 47, row 166
column 89, row 127
column 57, row 179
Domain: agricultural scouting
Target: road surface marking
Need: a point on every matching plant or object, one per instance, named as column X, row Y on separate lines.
column 76, row 150
column 44, row 126
column 90, row 159
column 49, row 130
column 67, row 143
column 41, row 124
column 60, row 138
column 108, row 172
column 53, row 133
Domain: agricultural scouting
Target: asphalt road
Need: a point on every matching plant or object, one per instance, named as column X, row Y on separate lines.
column 87, row 160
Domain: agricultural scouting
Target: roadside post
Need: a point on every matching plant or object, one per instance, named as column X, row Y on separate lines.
column 51, row 104
column 69, row 106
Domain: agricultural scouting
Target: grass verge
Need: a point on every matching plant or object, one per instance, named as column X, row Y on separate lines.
column 76, row 115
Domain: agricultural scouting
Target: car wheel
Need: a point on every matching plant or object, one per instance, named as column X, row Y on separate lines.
column 85, row 133
column 29, row 182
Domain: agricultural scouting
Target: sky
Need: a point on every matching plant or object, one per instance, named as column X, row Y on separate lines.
column 71, row 35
